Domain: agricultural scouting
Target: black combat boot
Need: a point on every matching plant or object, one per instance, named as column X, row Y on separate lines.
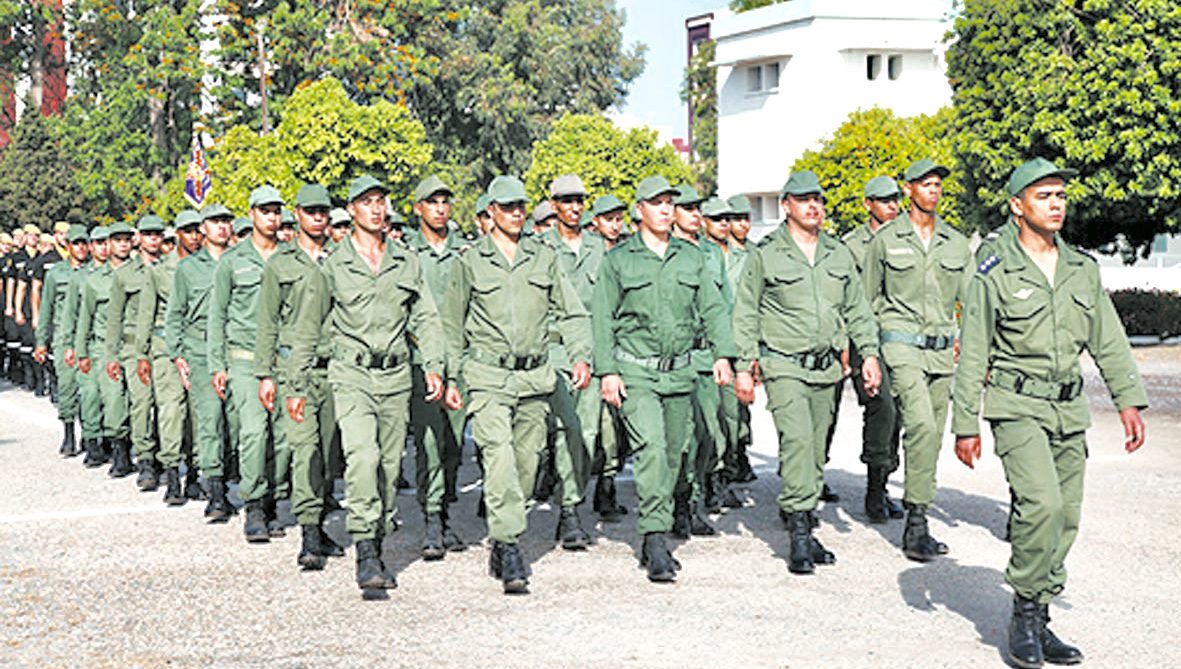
column 90, row 448
column 270, row 510
column 710, row 493
column 875, row 495
column 656, row 558
column 451, row 540
column 800, row 539
column 328, row 547
column 820, row 554
column 917, row 542
column 547, row 476
column 513, row 572
column 218, row 510
column 120, row 458
column 255, row 525
column 569, row 530
column 893, row 508
column 40, row 387
column 147, row 480
column 193, row 489
column 172, row 492
column 1055, row 650
column 827, row 494
column 311, row 552
column 69, row 446
column 682, row 523
column 606, row 504
column 1025, row 634
column 370, row 572
column 698, row 522
column 432, row 538
column 30, row 375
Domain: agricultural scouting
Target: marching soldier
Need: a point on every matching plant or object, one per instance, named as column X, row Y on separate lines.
column 1034, row 304
column 483, row 218
column 737, row 468
column 90, row 406
column 799, row 298
column 339, row 224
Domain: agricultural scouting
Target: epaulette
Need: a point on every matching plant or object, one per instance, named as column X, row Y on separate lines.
column 989, row 263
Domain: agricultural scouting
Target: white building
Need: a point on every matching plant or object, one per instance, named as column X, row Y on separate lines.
column 789, row 74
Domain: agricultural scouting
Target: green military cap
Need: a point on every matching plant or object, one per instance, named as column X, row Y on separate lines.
column 505, row 189
column 101, row 233
column 606, row 203
column 150, row 223
column 363, row 184
column 567, row 184
column 653, row 186
column 286, row 217
column 215, row 210
column 715, row 207
column 543, row 211
column 187, row 218
column 921, row 168
column 395, row 217
column 584, row 219
column 687, row 195
column 119, row 228
column 482, row 203
column 881, row 188
column 804, row 182
column 264, row 195
column 312, row 195
column 77, row 233
column 339, row 216
column 1035, row 170
column 739, row 205
column 242, row 225
column 429, row 186
column 169, row 233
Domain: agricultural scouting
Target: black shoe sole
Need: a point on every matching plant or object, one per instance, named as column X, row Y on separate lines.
column 258, row 538
column 1023, row 664
column 575, row 545
column 1066, row 663
column 312, row 562
column 516, row 586
column 175, row 501
column 663, row 577
column 802, row 570
column 432, row 554
column 917, row 556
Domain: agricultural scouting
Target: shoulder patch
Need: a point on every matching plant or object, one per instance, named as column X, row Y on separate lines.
column 989, row 263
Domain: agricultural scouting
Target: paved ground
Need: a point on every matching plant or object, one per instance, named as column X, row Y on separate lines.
column 95, row 574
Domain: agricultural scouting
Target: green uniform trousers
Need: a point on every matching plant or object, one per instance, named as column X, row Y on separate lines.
column 90, row 402
column 922, row 403
column 67, row 390
column 612, row 438
column 575, row 418
column 114, row 397
column 879, row 427
column 1045, row 470
column 510, row 432
column 140, row 398
column 659, row 430
column 736, row 427
column 172, row 414
column 438, row 439
column 803, row 413
column 209, row 420
column 264, row 461
column 311, row 446
column 708, row 446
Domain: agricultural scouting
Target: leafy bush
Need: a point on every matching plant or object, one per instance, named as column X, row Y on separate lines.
column 1149, row 312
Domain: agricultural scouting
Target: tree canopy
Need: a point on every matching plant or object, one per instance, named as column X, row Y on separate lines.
column 36, row 177
column 700, row 91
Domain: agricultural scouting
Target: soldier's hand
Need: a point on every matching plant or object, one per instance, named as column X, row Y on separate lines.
column 744, row 387
column 295, row 407
column 1133, row 428
column 70, row 358
column 182, row 366
column 114, row 371
column 871, row 375
column 84, row 365
column 40, row 353
column 955, row 347
column 8, row 312
column 846, row 370
column 613, row 390
column 20, row 318
column 967, row 449
column 143, row 369
column 580, row 375
column 453, row 399
column 434, row 387
column 219, row 384
column 266, row 394
column 723, row 372
column 757, row 372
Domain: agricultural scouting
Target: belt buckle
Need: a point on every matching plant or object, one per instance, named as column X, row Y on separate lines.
column 518, row 363
column 1019, row 384
column 1066, row 392
column 664, row 364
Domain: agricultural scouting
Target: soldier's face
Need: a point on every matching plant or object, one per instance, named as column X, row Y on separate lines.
column 435, row 210
column 569, row 208
column 59, row 238
column 688, row 218
column 150, row 242
column 265, row 219
column 509, row 217
column 218, row 231
column 926, row 192
column 79, row 250
column 657, row 214
column 189, row 238
column 484, row 222
column 1042, row 205
column 338, row 232
column 609, row 225
column 740, row 227
column 717, row 228
column 121, row 246
column 369, row 210
column 101, row 250
column 883, row 210
column 806, row 211
column 313, row 221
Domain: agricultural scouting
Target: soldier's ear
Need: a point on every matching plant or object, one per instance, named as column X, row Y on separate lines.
column 1016, row 207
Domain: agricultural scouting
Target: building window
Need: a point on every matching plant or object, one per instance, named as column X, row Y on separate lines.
column 894, row 67
column 873, row 66
column 762, row 78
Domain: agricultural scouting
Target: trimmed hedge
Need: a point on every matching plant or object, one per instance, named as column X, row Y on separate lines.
column 1149, row 312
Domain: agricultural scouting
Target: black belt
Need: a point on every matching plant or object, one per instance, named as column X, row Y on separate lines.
column 1029, row 386
column 514, row 363
column 659, row 363
column 929, row 342
column 700, row 344
column 372, row 359
column 321, row 362
column 812, row 361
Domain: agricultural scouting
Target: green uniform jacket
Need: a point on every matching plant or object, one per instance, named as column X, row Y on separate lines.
column 495, row 308
column 787, row 306
column 1015, row 321
column 647, row 306
column 92, row 317
column 288, row 274
column 186, row 319
column 735, row 265
column 55, row 292
column 715, row 265
column 367, row 313
column 914, row 291
column 857, row 241
column 436, row 266
column 581, row 269
column 153, row 308
column 233, row 305
column 127, row 285
column 69, row 325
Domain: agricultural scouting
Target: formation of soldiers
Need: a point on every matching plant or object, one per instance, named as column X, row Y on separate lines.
column 303, row 343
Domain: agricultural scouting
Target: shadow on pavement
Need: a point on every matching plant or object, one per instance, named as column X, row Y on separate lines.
column 976, row 594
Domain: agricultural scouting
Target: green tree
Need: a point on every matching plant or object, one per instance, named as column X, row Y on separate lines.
column 700, row 90
column 1092, row 84
column 609, row 160
column 875, row 142
column 36, row 177
column 747, row 5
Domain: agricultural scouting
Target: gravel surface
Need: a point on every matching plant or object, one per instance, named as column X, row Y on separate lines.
column 96, row 574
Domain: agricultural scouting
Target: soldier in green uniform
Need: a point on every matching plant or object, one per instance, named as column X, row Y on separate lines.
column 504, row 293
column 168, row 245
column 339, row 224
column 186, row 321
column 916, row 270
column 880, row 430
column 653, row 294
column 154, row 368
column 371, row 296
column 90, row 340
column 438, row 434
column 263, row 457
column 52, row 333
column 242, row 226
column 285, row 279
column 90, row 407
column 798, row 302
column 737, row 466
column 483, row 218
column 1033, row 306
column 122, row 354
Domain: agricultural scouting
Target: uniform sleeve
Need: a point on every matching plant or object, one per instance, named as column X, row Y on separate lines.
column 571, row 318
column 315, row 304
column 427, row 327
column 45, row 319
column 604, row 305
column 268, row 323
column 145, row 317
column 219, row 301
column 70, row 309
column 857, row 315
column 85, row 322
column 976, row 335
column 455, row 306
column 872, row 273
column 715, row 315
column 178, row 298
column 1108, row 345
column 114, row 340
column 747, row 324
